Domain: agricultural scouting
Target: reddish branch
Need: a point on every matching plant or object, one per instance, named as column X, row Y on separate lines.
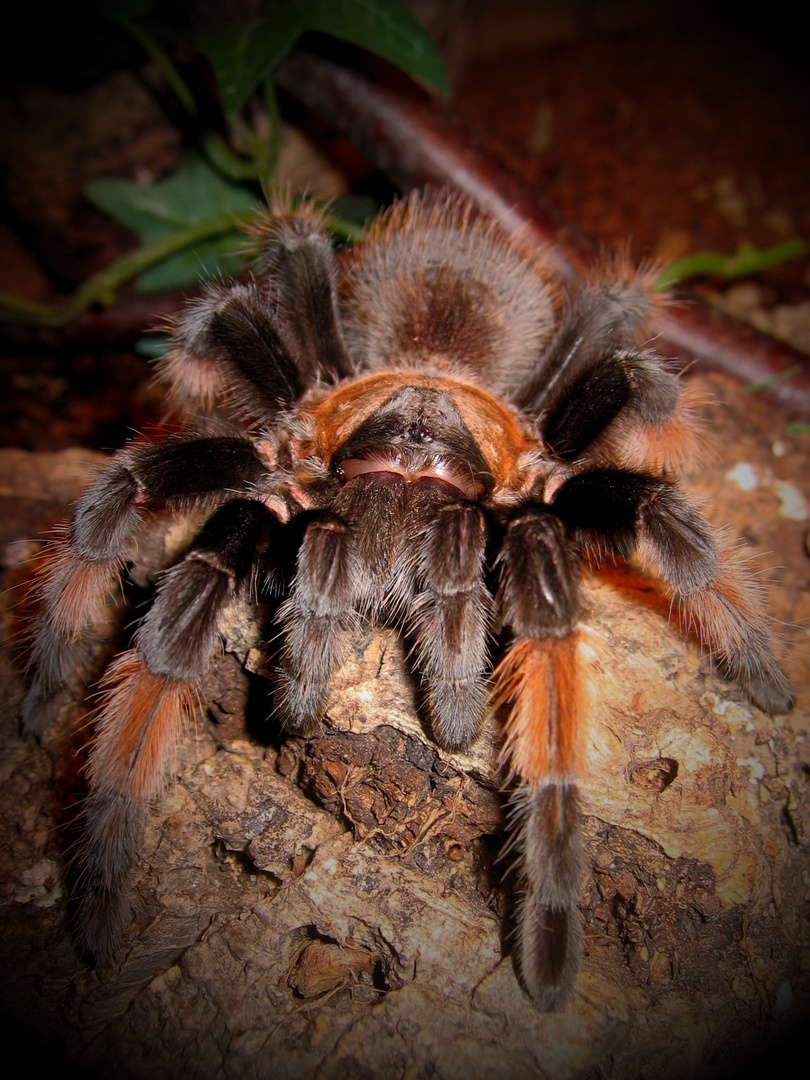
column 414, row 141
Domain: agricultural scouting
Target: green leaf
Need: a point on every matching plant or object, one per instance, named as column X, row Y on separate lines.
column 154, row 346
column 244, row 54
column 746, row 261
column 386, row 28
column 191, row 196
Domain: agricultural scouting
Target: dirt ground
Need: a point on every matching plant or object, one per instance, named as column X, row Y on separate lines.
column 334, row 906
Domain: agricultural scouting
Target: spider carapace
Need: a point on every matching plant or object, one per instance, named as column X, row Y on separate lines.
column 450, row 434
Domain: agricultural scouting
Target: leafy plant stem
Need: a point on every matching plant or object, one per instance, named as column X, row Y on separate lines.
column 260, row 145
column 747, row 260
column 100, row 289
column 167, row 69
column 226, row 161
column 764, row 384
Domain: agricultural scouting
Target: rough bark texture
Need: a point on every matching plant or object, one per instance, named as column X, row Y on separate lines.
column 333, row 907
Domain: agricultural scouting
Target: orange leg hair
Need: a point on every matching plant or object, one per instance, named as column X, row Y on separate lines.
column 543, row 685
column 148, row 694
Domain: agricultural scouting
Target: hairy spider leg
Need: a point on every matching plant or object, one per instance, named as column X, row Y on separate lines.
column 255, row 348
column 628, row 512
column 617, row 404
column 409, row 553
column 450, row 621
column 147, row 693
column 544, row 686
column 87, row 560
column 350, row 566
column 296, row 256
column 319, row 619
column 588, row 400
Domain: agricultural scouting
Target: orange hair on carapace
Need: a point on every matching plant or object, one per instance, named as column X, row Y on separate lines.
column 496, row 429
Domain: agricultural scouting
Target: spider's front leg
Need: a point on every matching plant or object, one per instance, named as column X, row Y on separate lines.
column 319, row 619
column 427, row 575
column 85, row 566
column 147, row 694
column 543, row 683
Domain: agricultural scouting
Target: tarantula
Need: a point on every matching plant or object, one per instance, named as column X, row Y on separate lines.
column 446, row 437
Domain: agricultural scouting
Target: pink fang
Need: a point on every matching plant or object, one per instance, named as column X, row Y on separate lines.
column 467, row 485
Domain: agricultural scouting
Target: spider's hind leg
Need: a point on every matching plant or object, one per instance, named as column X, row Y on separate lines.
column 251, row 348
column 717, row 597
column 598, row 393
column 544, row 685
column 147, row 694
